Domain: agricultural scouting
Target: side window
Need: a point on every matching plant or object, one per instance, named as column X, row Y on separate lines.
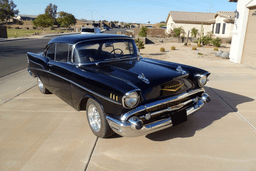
column 50, row 52
column 62, row 52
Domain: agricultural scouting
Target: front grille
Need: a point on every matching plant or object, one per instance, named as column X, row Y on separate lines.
column 165, row 106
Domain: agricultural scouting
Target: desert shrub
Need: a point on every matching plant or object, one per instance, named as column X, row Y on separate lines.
column 194, row 48
column 215, row 49
column 17, row 27
column 34, row 27
column 143, row 32
column 189, row 44
column 9, row 27
column 52, row 27
column 185, row 44
column 200, row 54
column 206, row 40
column 139, row 44
column 198, row 45
column 216, row 42
column 162, row 49
column 27, row 28
column 173, row 48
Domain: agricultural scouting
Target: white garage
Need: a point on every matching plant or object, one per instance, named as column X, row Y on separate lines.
column 249, row 51
column 243, row 48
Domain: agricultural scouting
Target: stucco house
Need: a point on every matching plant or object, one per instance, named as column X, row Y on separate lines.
column 220, row 24
column 189, row 20
column 224, row 24
column 244, row 34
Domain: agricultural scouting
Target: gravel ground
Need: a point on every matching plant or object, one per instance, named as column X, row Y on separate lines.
column 153, row 51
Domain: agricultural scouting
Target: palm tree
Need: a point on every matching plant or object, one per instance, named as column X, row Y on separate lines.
column 194, row 32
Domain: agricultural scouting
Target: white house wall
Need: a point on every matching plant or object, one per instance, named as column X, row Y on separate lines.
column 171, row 25
column 239, row 31
column 228, row 31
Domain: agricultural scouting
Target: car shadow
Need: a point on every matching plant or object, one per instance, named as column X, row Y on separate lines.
column 201, row 119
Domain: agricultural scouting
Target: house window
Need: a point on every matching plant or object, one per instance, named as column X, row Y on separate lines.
column 224, row 28
column 213, row 28
column 217, row 31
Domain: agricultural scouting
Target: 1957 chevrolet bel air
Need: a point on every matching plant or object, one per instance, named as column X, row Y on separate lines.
column 121, row 91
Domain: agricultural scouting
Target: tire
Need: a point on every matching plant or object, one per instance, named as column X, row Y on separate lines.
column 97, row 119
column 41, row 87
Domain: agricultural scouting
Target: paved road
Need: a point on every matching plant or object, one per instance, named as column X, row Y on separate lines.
column 13, row 53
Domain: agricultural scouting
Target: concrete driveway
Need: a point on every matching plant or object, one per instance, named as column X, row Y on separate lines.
column 41, row 132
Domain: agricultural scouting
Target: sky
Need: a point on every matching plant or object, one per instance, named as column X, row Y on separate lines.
column 139, row 11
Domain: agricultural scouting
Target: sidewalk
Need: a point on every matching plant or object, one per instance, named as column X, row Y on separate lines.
column 41, row 132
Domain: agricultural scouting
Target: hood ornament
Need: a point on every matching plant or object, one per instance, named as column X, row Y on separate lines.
column 143, row 78
column 180, row 70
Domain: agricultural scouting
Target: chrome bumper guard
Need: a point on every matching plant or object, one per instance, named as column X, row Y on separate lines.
column 131, row 126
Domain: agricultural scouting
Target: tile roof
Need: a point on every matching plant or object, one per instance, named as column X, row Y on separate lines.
column 226, row 14
column 182, row 16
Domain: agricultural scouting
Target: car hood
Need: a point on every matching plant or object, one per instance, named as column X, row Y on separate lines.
column 129, row 71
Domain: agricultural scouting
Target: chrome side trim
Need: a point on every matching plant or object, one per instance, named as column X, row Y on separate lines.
column 37, row 64
column 82, row 87
column 141, row 108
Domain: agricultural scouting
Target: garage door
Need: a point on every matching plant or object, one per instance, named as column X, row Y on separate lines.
column 249, row 52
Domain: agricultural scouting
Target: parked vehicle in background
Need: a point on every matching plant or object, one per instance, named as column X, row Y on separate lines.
column 90, row 30
column 121, row 91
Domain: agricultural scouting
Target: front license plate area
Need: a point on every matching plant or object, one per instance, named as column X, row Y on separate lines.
column 179, row 117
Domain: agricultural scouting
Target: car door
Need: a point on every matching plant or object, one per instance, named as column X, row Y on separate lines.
column 60, row 72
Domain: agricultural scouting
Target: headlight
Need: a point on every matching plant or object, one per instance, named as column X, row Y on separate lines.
column 202, row 80
column 130, row 99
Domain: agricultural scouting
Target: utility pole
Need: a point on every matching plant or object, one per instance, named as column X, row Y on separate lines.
column 92, row 12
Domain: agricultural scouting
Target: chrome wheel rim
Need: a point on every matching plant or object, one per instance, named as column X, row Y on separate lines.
column 94, row 118
column 40, row 84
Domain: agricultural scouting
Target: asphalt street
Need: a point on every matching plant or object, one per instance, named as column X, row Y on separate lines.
column 13, row 53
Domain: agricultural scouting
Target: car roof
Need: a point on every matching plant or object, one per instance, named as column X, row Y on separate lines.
column 75, row 38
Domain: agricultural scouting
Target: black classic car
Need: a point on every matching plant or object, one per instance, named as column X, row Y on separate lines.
column 121, row 91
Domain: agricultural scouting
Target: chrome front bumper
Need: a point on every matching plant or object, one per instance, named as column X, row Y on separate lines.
column 132, row 126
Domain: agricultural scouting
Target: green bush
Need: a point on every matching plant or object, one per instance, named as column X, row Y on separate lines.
column 215, row 49
column 173, row 48
column 139, row 44
column 216, row 42
column 9, row 27
column 17, row 27
column 194, row 48
column 178, row 31
column 143, row 32
column 198, row 45
column 34, row 27
column 162, row 49
column 206, row 40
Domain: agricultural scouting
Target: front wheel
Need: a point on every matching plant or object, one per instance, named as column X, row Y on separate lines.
column 97, row 119
column 42, row 87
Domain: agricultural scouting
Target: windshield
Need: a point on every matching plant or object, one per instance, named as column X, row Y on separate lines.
column 104, row 50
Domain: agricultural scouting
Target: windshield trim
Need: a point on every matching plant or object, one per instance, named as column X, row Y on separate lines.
column 109, row 61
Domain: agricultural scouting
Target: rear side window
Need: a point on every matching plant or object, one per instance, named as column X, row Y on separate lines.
column 62, row 52
column 51, row 52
